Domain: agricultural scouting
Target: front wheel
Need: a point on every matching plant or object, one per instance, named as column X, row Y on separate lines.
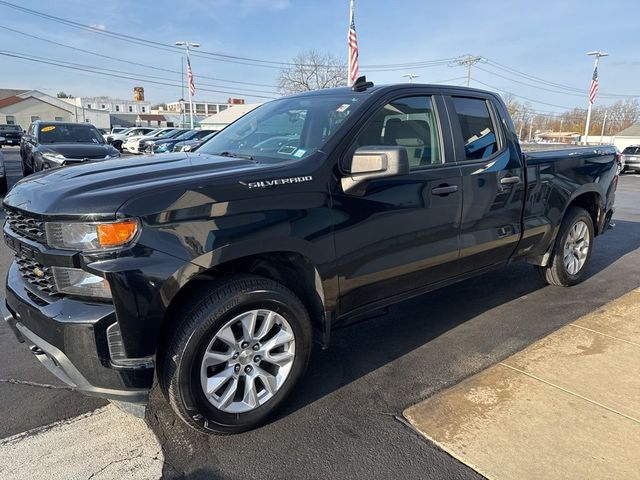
column 572, row 250
column 236, row 355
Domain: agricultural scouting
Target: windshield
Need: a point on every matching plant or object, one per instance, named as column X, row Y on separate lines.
column 289, row 128
column 631, row 151
column 70, row 133
column 10, row 128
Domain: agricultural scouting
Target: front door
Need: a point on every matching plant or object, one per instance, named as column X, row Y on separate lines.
column 402, row 233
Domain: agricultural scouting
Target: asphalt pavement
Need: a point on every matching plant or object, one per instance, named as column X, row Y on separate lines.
column 345, row 419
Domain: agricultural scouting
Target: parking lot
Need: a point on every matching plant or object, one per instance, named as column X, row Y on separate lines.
column 345, row 419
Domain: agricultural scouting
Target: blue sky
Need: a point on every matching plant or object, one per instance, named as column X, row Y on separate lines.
column 548, row 40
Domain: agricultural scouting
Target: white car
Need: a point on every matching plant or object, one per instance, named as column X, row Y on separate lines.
column 118, row 139
column 132, row 143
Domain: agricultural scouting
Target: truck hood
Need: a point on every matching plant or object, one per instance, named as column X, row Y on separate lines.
column 101, row 188
column 80, row 150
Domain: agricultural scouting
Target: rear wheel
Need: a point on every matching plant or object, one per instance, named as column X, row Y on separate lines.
column 572, row 250
column 236, row 355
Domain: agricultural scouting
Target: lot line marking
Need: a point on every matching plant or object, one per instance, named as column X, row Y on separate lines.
column 551, row 384
column 605, row 335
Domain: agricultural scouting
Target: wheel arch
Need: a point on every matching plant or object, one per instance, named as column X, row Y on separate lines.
column 292, row 269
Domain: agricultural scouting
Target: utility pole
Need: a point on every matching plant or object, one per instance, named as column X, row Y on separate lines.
column 410, row 76
column 469, row 60
column 561, row 122
column 188, row 46
column 604, row 122
column 531, row 128
column 596, row 54
column 520, row 131
column 182, row 91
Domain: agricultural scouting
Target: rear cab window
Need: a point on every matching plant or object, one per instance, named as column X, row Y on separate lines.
column 475, row 121
column 631, row 151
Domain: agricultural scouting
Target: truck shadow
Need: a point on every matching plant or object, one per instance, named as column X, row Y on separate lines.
column 388, row 336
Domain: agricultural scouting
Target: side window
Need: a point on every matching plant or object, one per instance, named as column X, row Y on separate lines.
column 406, row 122
column 478, row 130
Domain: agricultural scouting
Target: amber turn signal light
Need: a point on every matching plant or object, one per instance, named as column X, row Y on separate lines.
column 116, row 234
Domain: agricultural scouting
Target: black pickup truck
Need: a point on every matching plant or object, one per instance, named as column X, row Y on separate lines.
column 217, row 270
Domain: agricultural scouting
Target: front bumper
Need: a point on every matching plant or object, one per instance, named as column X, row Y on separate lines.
column 633, row 163
column 69, row 337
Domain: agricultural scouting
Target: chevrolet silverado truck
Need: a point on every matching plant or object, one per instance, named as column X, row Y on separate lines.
column 216, row 271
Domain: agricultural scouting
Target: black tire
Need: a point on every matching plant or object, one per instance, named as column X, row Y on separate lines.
column 180, row 357
column 556, row 272
column 118, row 145
column 4, row 188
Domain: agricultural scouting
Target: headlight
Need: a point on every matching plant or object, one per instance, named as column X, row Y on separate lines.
column 54, row 157
column 90, row 237
column 78, row 282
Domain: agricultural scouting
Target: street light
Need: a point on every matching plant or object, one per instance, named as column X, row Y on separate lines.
column 188, row 46
column 410, row 76
column 596, row 54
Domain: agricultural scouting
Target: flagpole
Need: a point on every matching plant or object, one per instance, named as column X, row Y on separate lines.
column 187, row 46
column 352, row 9
column 597, row 54
column 190, row 97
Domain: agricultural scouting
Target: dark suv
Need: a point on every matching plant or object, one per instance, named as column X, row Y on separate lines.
column 11, row 134
column 56, row 144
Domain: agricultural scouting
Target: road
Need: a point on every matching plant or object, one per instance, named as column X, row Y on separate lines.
column 344, row 419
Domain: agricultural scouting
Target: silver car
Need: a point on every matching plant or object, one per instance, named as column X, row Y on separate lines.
column 630, row 158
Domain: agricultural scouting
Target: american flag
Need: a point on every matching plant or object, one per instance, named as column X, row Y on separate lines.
column 353, row 49
column 594, row 86
column 192, row 83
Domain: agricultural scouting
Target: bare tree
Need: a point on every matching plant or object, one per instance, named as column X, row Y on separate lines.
column 312, row 70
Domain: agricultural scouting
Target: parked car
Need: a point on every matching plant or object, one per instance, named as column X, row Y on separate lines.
column 217, row 271
column 12, row 134
column 630, row 158
column 55, row 144
column 166, row 145
column 118, row 139
column 134, row 144
column 193, row 145
column 3, row 171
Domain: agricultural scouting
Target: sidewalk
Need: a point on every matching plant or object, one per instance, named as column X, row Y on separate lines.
column 566, row 407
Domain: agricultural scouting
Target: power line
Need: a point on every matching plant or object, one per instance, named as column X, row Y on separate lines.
column 520, row 96
column 203, row 53
column 124, row 75
column 91, row 52
column 469, row 61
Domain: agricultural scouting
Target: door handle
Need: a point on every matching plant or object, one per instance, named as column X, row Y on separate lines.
column 509, row 180
column 444, row 190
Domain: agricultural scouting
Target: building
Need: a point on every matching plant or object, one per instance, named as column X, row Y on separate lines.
column 111, row 105
column 203, row 108
column 628, row 136
column 21, row 107
column 230, row 115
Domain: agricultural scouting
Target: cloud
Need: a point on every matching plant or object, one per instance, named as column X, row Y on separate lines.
column 98, row 26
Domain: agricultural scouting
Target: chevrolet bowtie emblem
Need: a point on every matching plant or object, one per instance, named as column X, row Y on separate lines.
column 38, row 272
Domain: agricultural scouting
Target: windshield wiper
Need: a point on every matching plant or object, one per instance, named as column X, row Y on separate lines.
column 235, row 155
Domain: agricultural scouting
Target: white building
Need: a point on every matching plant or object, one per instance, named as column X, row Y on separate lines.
column 111, row 105
column 230, row 115
column 203, row 108
column 21, row 107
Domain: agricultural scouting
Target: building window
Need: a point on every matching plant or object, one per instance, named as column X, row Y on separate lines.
column 117, row 108
column 130, row 109
column 11, row 120
column 59, row 119
column 221, row 108
column 103, row 107
column 34, row 118
column 88, row 105
column 144, row 109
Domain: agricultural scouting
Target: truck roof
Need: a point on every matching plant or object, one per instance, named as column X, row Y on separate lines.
column 391, row 87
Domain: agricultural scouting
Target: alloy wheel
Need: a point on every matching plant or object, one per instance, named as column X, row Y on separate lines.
column 247, row 361
column 576, row 247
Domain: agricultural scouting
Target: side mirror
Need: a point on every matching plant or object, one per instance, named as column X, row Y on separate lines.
column 369, row 163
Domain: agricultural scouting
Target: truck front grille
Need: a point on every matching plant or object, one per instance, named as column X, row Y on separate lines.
column 36, row 275
column 26, row 225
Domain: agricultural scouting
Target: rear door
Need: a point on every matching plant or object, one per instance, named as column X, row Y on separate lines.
column 493, row 182
column 402, row 233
